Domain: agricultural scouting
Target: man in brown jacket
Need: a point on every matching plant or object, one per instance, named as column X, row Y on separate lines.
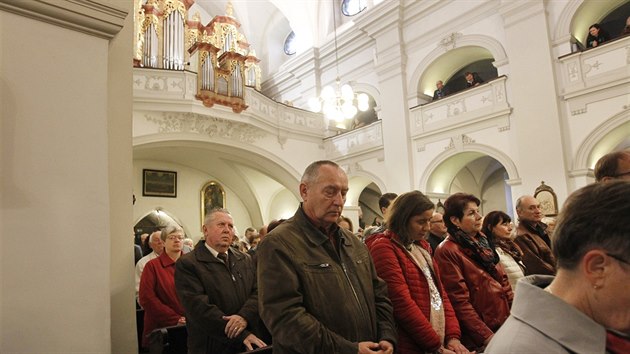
column 318, row 289
column 532, row 238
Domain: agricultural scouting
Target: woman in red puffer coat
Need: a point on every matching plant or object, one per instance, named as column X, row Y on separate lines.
column 424, row 316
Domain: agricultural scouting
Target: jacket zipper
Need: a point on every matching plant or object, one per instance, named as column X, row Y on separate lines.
column 356, row 297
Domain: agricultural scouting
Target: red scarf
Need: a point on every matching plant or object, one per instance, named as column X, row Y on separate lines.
column 617, row 343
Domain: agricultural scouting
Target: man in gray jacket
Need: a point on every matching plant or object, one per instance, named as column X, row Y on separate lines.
column 318, row 289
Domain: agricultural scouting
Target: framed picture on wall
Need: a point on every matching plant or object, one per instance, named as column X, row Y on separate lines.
column 212, row 196
column 547, row 199
column 156, row 183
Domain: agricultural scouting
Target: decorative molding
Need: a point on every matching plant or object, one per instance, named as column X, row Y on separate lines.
column 455, row 108
column 87, row 16
column 156, row 83
column 355, row 142
column 458, row 142
column 579, row 111
column 210, row 126
column 467, row 140
column 450, row 42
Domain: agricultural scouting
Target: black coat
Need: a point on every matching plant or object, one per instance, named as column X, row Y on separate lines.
column 437, row 94
column 208, row 291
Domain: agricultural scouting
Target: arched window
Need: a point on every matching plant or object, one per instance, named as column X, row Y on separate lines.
column 353, row 7
column 289, row 44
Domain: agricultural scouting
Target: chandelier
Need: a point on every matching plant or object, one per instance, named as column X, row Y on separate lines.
column 340, row 102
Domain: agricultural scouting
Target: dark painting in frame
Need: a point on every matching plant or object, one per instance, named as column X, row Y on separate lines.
column 157, row 183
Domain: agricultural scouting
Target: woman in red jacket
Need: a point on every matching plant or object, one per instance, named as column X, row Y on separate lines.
column 425, row 319
column 472, row 276
column 157, row 294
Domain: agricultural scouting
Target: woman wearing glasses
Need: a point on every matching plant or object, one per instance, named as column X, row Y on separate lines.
column 497, row 226
column 585, row 308
column 476, row 283
column 157, row 294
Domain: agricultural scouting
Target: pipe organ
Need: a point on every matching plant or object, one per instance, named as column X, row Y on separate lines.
column 167, row 39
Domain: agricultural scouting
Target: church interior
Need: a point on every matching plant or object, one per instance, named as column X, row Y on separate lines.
column 118, row 115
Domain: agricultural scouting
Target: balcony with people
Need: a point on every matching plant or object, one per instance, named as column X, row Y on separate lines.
column 460, row 93
column 598, row 62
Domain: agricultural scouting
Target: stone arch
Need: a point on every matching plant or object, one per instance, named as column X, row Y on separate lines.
column 594, row 146
column 562, row 31
column 360, row 179
column 502, row 158
column 581, row 14
column 170, row 215
column 492, row 45
column 288, row 174
column 369, row 89
column 225, row 153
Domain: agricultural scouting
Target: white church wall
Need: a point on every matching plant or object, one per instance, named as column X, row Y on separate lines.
column 59, row 199
column 282, row 205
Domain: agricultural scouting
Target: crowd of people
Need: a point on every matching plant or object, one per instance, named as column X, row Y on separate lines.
column 423, row 282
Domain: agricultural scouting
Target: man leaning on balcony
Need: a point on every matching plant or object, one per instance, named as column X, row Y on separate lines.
column 441, row 91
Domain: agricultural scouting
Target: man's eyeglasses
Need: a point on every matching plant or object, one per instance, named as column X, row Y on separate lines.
column 174, row 237
column 618, row 258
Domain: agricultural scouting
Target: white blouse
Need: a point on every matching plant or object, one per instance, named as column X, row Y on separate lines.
column 512, row 269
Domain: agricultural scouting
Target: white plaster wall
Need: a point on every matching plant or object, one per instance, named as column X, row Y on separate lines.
column 582, row 125
column 187, row 206
column 493, row 194
column 282, row 206
column 56, row 195
column 537, row 134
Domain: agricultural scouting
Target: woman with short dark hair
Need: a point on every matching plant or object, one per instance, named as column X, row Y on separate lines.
column 476, row 283
column 424, row 317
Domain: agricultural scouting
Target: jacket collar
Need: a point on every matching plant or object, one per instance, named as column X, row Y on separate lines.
column 396, row 240
column 314, row 234
column 532, row 226
column 165, row 260
column 204, row 255
column 583, row 335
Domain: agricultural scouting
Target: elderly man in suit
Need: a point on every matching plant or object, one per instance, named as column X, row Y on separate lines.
column 216, row 284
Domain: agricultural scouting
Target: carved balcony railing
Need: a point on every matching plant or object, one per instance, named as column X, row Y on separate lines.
column 164, row 86
column 601, row 71
column 355, row 142
column 467, row 107
column 174, row 91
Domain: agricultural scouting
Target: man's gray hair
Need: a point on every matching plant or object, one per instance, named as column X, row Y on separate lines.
column 312, row 171
column 211, row 212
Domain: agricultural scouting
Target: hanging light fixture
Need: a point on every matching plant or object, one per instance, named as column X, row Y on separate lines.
column 340, row 102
